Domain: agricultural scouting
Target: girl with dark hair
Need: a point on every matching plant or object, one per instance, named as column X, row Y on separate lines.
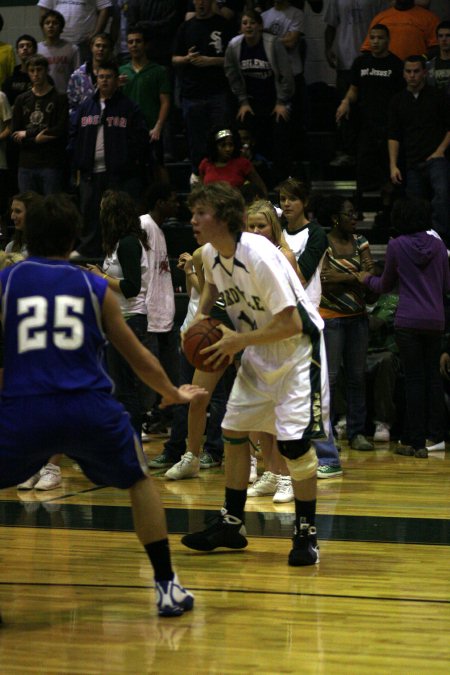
column 125, row 267
column 417, row 261
column 343, row 307
column 19, row 205
column 225, row 163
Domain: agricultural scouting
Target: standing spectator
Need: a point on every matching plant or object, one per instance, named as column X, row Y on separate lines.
column 162, row 336
column 161, row 18
column 7, row 58
column 108, row 142
column 412, row 28
column 419, row 122
column 417, row 261
column 439, row 67
column 83, row 82
column 374, row 78
column 148, row 85
column 62, row 56
column 199, row 54
column 287, row 23
column 19, row 81
column 260, row 76
column 343, row 307
column 40, row 120
column 83, row 20
column 347, row 22
column 5, row 131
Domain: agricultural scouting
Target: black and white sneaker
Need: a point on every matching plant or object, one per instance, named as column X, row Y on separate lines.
column 305, row 550
column 226, row 532
column 172, row 599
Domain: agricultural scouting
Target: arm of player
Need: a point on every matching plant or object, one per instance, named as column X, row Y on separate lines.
column 283, row 325
column 145, row 365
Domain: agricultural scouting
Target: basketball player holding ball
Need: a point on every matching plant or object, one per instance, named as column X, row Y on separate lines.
column 280, row 387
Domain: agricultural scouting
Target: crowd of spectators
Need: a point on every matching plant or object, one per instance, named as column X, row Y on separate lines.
column 92, row 104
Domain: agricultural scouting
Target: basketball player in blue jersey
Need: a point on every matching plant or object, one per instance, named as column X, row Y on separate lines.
column 280, row 387
column 56, row 394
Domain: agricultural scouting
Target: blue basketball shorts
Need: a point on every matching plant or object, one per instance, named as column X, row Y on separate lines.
column 90, row 427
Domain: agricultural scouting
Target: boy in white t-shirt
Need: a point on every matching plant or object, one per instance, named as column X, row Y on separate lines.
column 280, row 387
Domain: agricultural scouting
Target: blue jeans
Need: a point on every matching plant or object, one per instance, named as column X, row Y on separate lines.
column 43, row 181
column 346, row 340
column 128, row 387
column 200, row 115
column 326, row 451
column 432, row 179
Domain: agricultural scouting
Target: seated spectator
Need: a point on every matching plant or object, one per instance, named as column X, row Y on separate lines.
column 19, row 205
column 7, row 58
column 260, row 76
column 438, row 68
column 63, row 57
column 225, row 162
column 83, row 82
column 40, row 121
column 343, row 308
column 417, row 261
column 19, row 82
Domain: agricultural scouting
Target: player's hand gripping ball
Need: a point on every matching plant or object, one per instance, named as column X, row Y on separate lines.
column 202, row 334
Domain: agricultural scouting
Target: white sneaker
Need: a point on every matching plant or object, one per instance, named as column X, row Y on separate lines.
column 341, row 428
column 187, row 467
column 30, row 483
column 285, row 491
column 382, row 432
column 50, row 477
column 266, row 485
column 253, row 469
column 435, row 447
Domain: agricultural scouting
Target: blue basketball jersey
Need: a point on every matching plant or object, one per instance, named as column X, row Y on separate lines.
column 53, row 337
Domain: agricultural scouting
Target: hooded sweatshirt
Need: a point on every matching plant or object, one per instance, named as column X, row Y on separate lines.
column 419, row 264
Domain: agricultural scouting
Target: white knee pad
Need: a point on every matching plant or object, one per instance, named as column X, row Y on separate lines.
column 303, row 467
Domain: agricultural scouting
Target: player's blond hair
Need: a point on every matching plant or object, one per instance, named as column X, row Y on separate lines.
column 227, row 203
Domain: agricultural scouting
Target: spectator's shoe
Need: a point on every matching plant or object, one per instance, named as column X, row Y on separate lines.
column 172, row 599
column 157, row 428
column 341, row 429
column 285, row 491
column 30, row 483
column 342, row 159
column 360, row 442
column 207, row 461
column 432, row 446
column 265, row 485
column 382, row 432
column 226, row 532
column 327, row 471
column 50, row 478
column 409, row 451
column 161, row 461
column 187, row 467
column 305, row 550
column 253, row 475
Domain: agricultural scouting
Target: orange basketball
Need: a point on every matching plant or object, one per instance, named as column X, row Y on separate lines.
column 197, row 337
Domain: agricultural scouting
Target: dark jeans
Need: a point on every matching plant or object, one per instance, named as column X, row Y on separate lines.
column 273, row 139
column 165, row 347
column 383, row 369
column 43, row 181
column 425, row 413
column 176, row 445
column 200, row 115
column 431, row 179
column 128, row 387
column 347, row 340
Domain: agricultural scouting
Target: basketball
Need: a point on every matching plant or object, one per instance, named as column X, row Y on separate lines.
column 197, row 337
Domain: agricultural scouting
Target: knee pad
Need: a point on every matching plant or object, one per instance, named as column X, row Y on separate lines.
column 234, row 441
column 304, row 464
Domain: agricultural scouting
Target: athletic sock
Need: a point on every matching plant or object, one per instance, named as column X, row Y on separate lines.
column 305, row 512
column 159, row 555
column 235, row 502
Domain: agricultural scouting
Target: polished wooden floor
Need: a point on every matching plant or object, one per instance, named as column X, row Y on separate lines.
column 76, row 588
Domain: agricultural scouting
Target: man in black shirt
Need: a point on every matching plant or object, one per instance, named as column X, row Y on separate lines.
column 438, row 68
column 375, row 77
column 199, row 53
column 19, row 81
column 419, row 120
